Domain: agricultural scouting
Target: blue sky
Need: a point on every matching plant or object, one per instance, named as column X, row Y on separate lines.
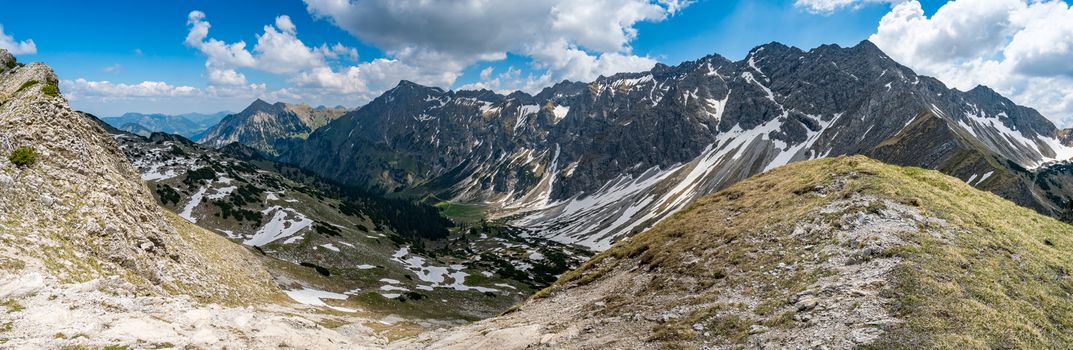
column 104, row 50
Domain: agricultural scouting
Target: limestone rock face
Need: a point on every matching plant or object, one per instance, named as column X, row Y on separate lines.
column 81, row 211
column 7, row 61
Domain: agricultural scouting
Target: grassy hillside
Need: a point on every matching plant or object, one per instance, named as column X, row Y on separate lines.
column 845, row 252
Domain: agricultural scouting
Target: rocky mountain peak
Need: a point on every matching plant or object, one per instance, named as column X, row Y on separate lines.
column 406, row 86
column 265, row 126
column 260, row 105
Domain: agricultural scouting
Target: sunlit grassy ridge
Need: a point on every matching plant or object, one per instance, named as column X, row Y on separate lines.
column 986, row 274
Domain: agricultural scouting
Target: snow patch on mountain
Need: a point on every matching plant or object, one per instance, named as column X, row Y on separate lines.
column 285, row 222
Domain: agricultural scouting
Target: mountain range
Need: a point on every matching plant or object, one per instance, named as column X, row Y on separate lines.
column 592, row 163
column 190, row 125
column 829, row 198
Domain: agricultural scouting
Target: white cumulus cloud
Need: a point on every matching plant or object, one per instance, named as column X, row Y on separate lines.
column 25, row 47
column 82, row 88
column 226, row 77
column 1023, row 50
column 430, row 43
column 829, row 6
column 575, row 40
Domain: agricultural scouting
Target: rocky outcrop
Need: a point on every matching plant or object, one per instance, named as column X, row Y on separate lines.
column 79, row 210
column 592, row 163
column 89, row 260
column 265, row 126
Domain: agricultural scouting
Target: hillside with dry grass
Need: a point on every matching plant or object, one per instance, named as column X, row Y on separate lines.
column 842, row 253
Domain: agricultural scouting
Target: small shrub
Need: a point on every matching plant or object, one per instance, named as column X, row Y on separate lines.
column 51, row 90
column 320, row 269
column 411, row 296
column 26, row 85
column 167, row 194
column 326, row 230
column 12, row 306
column 23, row 156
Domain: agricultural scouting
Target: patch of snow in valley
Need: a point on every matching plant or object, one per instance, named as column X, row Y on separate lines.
column 230, row 234
column 155, row 174
column 459, row 284
column 313, row 297
column 389, row 287
column 330, row 246
column 188, row 210
column 222, row 192
column 436, row 275
column 285, row 222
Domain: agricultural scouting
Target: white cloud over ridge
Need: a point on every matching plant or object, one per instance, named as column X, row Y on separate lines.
column 431, row 43
column 829, row 6
column 1023, row 50
column 566, row 39
column 81, row 88
column 25, row 47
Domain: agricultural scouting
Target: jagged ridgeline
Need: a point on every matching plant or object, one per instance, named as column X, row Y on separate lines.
column 832, row 253
column 594, row 162
column 73, row 209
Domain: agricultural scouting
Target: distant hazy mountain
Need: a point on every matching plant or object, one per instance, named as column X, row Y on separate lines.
column 265, row 126
column 137, row 129
column 591, row 163
column 189, row 125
